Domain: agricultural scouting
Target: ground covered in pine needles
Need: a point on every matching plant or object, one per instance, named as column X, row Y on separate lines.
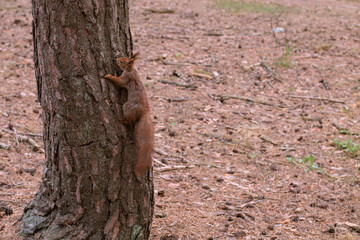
column 256, row 109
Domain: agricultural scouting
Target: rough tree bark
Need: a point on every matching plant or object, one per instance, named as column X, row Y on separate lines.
column 88, row 188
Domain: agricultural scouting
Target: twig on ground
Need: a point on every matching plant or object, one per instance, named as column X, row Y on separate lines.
column 201, row 64
column 213, row 60
column 343, row 130
column 159, row 162
column 227, row 97
column 271, row 85
column 267, row 68
column 183, row 64
column 7, row 194
column 38, row 135
column 272, row 27
column 215, row 34
column 35, row 146
column 32, row 134
column 16, row 138
column 339, row 127
column 191, row 85
column 353, row 226
column 14, row 202
column 177, row 99
column 317, row 98
column 160, row 152
column 179, row 159
column 297, row 75
column 201, row 75
column 251, row 67
column 326, row 84
column 270, row 71
column 267, row 139
column 171, row 168
column 177, row 64
column 290, row 149
column 160, row 11
column 317, row 119
column 4, row 146
column 201, row 164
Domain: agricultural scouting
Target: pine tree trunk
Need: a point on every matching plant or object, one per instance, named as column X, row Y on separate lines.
column 88, row 188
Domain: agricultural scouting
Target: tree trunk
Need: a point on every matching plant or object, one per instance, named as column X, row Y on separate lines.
column 88, row 188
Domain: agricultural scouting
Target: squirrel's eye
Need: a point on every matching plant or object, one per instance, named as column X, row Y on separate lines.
column 121, row 61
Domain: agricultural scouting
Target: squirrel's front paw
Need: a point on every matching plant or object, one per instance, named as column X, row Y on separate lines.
column 108, row 76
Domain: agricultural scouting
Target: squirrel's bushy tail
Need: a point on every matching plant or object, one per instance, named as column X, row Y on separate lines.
column 144, row 137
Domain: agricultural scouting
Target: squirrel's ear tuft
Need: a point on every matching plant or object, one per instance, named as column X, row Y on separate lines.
column 133, row 58
column 135, row 55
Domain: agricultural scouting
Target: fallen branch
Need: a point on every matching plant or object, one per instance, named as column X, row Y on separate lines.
column 317, row 98
column 227, row 97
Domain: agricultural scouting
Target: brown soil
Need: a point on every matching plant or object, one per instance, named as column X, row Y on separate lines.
column 224, row 108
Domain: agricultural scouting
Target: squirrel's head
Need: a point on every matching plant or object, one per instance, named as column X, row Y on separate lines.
column 122, row 62
column 125, row 63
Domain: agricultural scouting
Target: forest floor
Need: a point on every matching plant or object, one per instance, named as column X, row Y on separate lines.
column 256, row 105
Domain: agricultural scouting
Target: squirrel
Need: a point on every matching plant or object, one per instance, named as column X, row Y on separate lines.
column 136, row 110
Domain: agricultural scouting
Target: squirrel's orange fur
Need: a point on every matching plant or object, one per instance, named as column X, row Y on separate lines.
column 136, row 111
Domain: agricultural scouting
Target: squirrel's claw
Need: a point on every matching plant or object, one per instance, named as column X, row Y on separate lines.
column 124, row 121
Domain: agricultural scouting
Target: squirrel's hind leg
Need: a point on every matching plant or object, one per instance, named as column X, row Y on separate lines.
column 132, row 112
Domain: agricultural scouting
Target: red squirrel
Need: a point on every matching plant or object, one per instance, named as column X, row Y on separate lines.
column 136, row 110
